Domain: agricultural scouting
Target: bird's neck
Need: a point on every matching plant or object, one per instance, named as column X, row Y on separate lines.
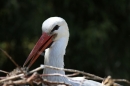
column 54, row 56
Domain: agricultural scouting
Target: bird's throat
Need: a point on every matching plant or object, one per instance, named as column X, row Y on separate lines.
column 54, row 56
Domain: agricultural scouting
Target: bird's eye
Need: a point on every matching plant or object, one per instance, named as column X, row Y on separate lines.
column 55, row 28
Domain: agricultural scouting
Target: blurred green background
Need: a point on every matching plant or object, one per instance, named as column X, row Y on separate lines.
column 99, row 33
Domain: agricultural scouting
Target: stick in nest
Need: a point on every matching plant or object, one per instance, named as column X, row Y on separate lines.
column 34, row 78
column 11, row 59
column 109, row 82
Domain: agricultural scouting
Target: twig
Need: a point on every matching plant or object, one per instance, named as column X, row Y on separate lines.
column 109, row 82
column 46, row 66
column 75, row 71
column 74, row 74
column 20, row 75
column 2, row 78
column 38, row 78
column 36, row 69
column 12, row 77
column 54, row 74
column 34, row 77
column 4, row 71
column 55, row 83
column 11, row 59
column 121, row 80
column 18, row 82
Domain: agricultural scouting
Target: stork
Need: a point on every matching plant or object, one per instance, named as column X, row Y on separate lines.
column 56, row 35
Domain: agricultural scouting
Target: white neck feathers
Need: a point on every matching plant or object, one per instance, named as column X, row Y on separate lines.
column 54, row 56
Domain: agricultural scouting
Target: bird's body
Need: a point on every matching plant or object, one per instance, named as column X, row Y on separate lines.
column 54, row 55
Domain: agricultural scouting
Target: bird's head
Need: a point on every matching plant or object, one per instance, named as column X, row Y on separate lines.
column 56, row 27
column 53, row 29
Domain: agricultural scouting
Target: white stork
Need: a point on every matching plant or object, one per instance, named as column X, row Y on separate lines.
column 55, row 32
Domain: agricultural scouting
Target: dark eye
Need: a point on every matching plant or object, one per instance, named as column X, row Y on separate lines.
column 55, row 28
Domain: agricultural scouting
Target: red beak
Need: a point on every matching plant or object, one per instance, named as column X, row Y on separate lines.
column 40, row 46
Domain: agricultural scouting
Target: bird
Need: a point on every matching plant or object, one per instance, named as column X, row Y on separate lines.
column 54, row 40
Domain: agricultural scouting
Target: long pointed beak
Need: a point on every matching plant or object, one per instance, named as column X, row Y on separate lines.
column 40, row 46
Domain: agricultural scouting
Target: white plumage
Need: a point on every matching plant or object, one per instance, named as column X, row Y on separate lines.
column 54, row 55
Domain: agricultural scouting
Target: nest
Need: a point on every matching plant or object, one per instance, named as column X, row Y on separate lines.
column 21, row 76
